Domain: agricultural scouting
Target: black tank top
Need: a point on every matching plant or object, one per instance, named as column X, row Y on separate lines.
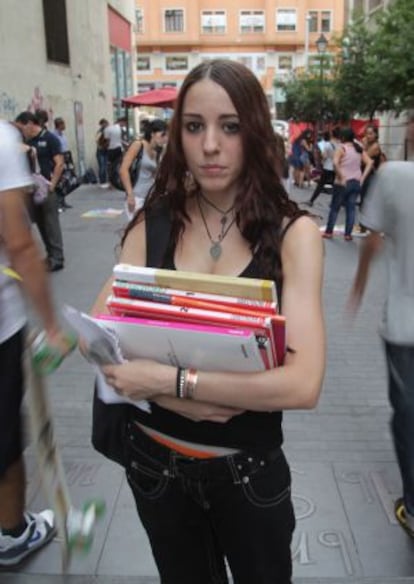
column 248, row 431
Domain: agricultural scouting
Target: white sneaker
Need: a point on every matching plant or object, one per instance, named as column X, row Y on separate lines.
column 104, row 185
column 39, row 531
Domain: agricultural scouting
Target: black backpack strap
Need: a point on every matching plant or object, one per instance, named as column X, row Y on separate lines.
column 158, row 231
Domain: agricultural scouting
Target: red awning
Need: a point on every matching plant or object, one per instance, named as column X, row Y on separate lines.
column 163, row 97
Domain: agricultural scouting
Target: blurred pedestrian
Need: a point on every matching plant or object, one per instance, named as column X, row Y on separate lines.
column 113, row 133
column 327, row 176
column 148, row 149
column 348, row 159
column 102, row 144
column 51, row 164
column 300, row 158
column 389, row 212
column 21, row 270
column 371, row 145
column 59, row 132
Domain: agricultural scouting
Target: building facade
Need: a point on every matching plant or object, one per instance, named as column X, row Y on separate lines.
column 73, row 58
column 272, row 37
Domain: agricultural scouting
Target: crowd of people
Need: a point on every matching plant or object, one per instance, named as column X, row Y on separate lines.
column 230, row 500
column 340, row 162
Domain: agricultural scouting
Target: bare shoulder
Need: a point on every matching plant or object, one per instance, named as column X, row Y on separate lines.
column 303, row 229
column 302, row 242
column 134, row 249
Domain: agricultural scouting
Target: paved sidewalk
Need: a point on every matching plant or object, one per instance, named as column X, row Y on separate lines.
column 345, row 477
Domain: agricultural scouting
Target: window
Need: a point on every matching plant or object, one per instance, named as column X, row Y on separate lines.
column 252, row 21
column 285, row 62
column 176, row 63
column 174, row 20
column 326, row 21
column 56, row 31
column 139, row 21
column 261, row 63
column 285, row 19
column 143, row 63
column 142, row 87
column 313, row 21
column 246, row 61
column 213, row 21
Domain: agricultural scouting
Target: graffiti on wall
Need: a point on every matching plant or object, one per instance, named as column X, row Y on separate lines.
column 38, row 101
column 8, row 106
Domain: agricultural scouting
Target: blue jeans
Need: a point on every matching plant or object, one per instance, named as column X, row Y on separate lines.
column 400, row 363
column 346, row 195
column 102, row 158
column 198, row 512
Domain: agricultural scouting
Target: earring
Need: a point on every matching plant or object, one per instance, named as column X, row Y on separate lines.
column 189, row 182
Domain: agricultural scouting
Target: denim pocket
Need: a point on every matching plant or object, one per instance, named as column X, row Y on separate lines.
column 146, row 477
column 269, row 486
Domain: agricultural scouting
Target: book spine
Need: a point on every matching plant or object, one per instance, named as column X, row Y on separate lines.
column 175, row 325
column 279, row 337
column 132, row 291
column 158, row 310
column 144, row 291
column 252, row 288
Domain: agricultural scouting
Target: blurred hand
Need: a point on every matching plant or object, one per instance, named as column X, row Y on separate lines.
column 62, row 341
column 131, row 203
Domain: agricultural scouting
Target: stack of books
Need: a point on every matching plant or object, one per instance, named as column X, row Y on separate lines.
column 195, row 320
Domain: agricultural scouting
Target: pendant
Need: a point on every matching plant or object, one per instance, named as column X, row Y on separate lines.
column 215, row 250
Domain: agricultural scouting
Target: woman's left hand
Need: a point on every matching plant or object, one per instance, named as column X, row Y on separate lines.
column 140, row 379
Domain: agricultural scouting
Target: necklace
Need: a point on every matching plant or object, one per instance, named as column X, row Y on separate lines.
column 215, row 206
column 216, row 248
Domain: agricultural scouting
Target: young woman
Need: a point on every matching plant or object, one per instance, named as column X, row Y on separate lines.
column 208, row 474
column 348, row 159
column 373, row 149
column 153, row 141
column 300, row 158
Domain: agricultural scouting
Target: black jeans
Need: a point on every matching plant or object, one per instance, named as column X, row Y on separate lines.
column 400, row 364
column 11, row 396
column 113, row 156
column 198, row 512
column 46, row 217
column 327, row 178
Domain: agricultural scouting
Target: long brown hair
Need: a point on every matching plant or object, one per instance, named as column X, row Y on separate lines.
column 262, row 202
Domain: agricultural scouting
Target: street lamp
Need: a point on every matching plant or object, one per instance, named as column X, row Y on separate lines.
column 321, row 45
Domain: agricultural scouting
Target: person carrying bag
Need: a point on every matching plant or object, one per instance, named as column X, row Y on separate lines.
column 148, row 151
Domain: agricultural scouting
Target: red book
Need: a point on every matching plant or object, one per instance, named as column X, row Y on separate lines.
column 193, row 299
column 269, row 330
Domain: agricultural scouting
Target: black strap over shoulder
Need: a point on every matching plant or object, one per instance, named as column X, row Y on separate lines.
column 158, row 231
column 289, row 224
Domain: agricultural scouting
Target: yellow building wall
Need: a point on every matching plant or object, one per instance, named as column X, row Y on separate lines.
column 267, row 52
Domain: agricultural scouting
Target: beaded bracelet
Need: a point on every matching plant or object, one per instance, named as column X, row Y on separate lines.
column 180, row 382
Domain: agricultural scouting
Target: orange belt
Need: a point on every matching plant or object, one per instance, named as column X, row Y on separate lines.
column 190, row 450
